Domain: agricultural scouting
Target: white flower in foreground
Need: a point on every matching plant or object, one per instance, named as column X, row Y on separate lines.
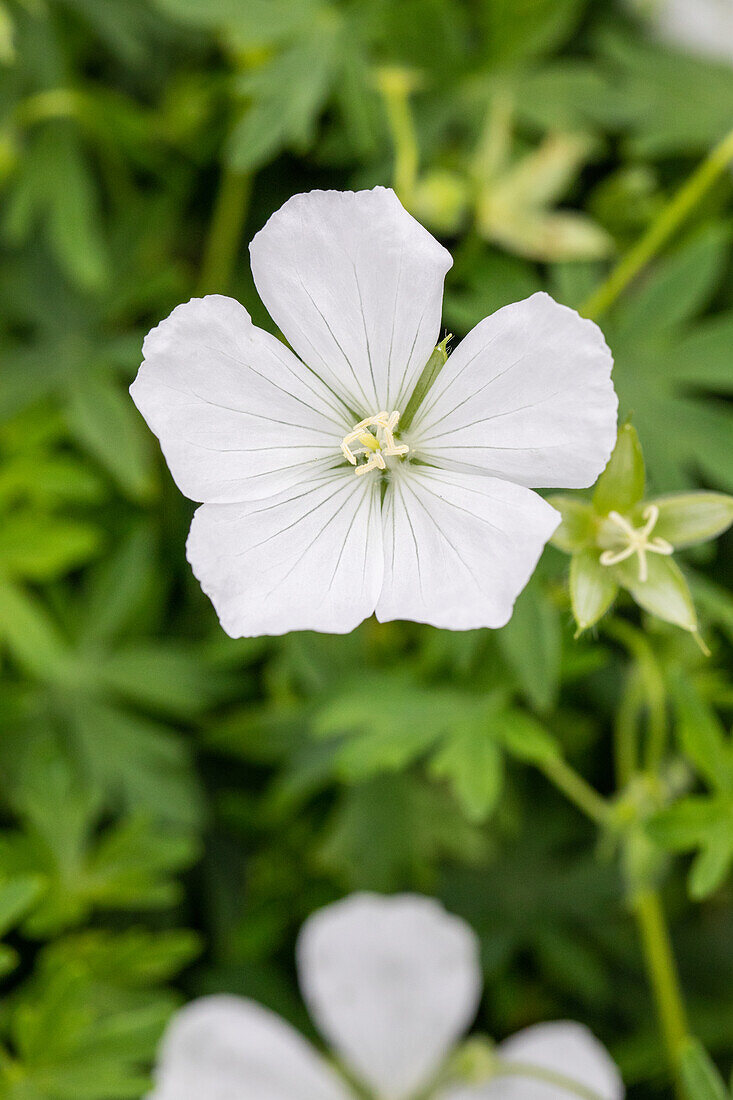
column 318, row 509
column 701, row 26
column 392, row 983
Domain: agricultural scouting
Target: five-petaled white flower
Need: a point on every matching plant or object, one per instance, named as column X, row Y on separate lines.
column 392, row 983
column 318, row 509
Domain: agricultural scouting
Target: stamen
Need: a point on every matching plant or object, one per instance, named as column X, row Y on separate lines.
column 637, row 541
column 377, row 444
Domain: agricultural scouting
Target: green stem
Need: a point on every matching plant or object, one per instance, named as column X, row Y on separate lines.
column 576, row 789
column 648, row 682
column 396, row 85
column 667, row 222
column 225, row 233
column 626, row 756
column 662, row 973
column 547, row 1077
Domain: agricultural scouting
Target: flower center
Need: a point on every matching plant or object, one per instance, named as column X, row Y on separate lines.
column 635, row 540
column 375, row 437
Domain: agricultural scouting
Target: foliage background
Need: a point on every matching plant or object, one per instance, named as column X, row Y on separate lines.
column 175, row 803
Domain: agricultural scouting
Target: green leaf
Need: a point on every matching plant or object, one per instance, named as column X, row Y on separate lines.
column 525, row 738
column 710, row 867
column 577, row 528
column 142, row 767
column 17, row 895
column 57, row 187
column 621, row 485
column 42, row 547
column 470, row 760
column 32, row 637
column 410, row 719
column 532, row 645
column 687, row 518
column 651, row 88
column 659, row 384
column 701, row 736
column 521, row 29
column 664, row 593
column 161, row 676
column 392, row 830
column 701, row 822
column 700, row 1078
column 254, row 23
column 285, row 97
column 682, row 282
column 593, row 588
column 106, row 422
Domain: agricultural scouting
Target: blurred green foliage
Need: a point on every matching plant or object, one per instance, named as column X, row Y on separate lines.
column 174, row 803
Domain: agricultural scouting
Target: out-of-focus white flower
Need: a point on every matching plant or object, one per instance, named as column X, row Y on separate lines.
column 392, row 983
column 700, row 26
column 320, row 508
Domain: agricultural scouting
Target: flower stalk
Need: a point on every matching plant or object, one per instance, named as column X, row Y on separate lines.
column 664, row 226
column 225, row 232
column 662, row 973
column 577, row 789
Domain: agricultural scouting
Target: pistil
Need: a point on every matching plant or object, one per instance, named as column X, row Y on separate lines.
column 378, row 444
column 637, row 541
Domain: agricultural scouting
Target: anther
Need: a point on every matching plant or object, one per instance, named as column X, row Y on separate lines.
column 637, row 541
column 376, row 444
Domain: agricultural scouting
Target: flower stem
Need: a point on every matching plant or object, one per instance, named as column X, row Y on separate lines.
column 396, row 85
column 225, row 232
column 547, row 1077
column 662, row 973
column 667, row 222
column 647, row 684
column 576, row 789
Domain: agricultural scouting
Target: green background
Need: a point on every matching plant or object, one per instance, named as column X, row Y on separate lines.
column 175, row 803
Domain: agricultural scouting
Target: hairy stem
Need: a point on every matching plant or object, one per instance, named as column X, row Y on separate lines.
column 225, row 232
column 667, row 222
column 662, row 973
column 646, row 687
column 576, row 789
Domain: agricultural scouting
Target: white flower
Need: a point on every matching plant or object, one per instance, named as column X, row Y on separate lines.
column 392, row 983
column 318, row 510
column 701, row 26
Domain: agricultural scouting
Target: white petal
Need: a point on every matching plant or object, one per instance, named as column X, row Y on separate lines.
column 526, row 396
column 458, row 547
column 237, row 415
column 702, row 26
column 356, row 286
column 309, row 558
column 566, row 1048
column 227, row 1048
column 391, row 983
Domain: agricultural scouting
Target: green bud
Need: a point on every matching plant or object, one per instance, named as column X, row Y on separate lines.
column 687, row 518
column 593, row 588
column 578, row 526
column 430, row 372
column 514, row 204
column 621, row 485
column 541, row 178
column 474, row 1062
column 440, row 198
